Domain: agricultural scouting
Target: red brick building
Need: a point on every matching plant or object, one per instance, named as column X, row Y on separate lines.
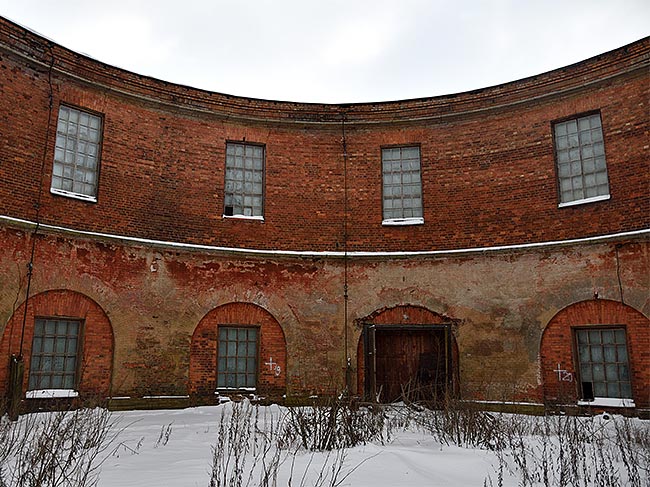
column 181, row 242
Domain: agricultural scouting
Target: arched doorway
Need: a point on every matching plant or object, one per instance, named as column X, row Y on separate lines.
column 406, row 353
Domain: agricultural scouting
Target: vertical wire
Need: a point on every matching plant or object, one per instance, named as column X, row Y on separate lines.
column 345, row 256
column 30, row 264
column 618, row 272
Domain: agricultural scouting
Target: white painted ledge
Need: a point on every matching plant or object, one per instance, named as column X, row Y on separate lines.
column 76, row 196
column 397, row 222
column 302, row 253
column 584, row 201
column 243, row 217
column 51, row 393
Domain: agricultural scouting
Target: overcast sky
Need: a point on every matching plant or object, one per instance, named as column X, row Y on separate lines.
column 336, row 51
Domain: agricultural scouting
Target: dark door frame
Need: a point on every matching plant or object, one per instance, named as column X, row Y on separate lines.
column 370, row 352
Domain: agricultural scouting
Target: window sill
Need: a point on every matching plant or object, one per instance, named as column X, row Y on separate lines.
column 584, row 201
column 395, row 222
column 612, row 402
column 235, row 389
column 51, row 393
column 243, row 217
column 76, row 196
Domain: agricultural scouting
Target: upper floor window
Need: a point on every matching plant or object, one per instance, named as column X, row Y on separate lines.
column 76, row 154
column 244, row 189
column 402, row 186
column 581, row 165
column 55, row 352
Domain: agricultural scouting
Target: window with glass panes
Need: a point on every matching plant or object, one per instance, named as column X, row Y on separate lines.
column 244, row 189
column 76, row 153
column 237, row 357
column 402, row 187
column 55, row 352
column 581, row 164
column 603, row 361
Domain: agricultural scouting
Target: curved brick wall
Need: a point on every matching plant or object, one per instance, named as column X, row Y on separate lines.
column 169, row 268
column 488, row 171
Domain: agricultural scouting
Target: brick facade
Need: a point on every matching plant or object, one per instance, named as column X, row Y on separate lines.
column 496, row 255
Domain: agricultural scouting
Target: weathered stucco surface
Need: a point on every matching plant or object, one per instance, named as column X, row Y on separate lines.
column 500, row 303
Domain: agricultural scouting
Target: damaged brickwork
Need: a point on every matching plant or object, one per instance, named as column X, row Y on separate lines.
column 153, row 265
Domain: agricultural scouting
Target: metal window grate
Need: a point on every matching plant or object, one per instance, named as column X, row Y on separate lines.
column 244, row 189
column 402, row 186
column 603, row 362
column 581, row 164
column 55, row 348
column 76, row 153
column 237, row 363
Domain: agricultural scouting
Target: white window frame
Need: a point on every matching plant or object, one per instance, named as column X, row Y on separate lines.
column 393, row 167
column 580, row 160
column 245, row 177
column 77, row 154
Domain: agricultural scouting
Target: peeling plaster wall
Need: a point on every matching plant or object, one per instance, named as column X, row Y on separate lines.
column 155, row 298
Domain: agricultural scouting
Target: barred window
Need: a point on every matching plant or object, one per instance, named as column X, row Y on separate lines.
column 237, row 358
column 581, row 164
column 244, row 189
column 55, row 352
column 402, row 187
column 76, row 154
column 603, row 363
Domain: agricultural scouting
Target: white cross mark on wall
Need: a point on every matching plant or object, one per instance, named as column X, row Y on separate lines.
column 270, row 363
column 273, row 366
column 563, row 375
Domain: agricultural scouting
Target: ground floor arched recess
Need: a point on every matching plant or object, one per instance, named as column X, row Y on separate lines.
column 597, row 353
column 64, row 341
column 238, row 347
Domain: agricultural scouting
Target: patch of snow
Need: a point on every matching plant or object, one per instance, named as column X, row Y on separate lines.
column 402, row 221
column 51, row 393
column 613, row 402
column 165, row 397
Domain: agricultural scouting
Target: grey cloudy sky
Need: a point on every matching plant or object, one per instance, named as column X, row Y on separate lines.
column 336, row 51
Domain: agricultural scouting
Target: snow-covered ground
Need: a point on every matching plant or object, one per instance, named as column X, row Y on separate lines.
column 175, row 448
column 410, row 459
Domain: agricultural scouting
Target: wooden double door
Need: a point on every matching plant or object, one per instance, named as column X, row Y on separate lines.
column 407, row 362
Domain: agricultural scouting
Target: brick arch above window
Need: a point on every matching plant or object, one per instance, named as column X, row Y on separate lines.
column 95, row 353
column 559, row 356
column 272, row 350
